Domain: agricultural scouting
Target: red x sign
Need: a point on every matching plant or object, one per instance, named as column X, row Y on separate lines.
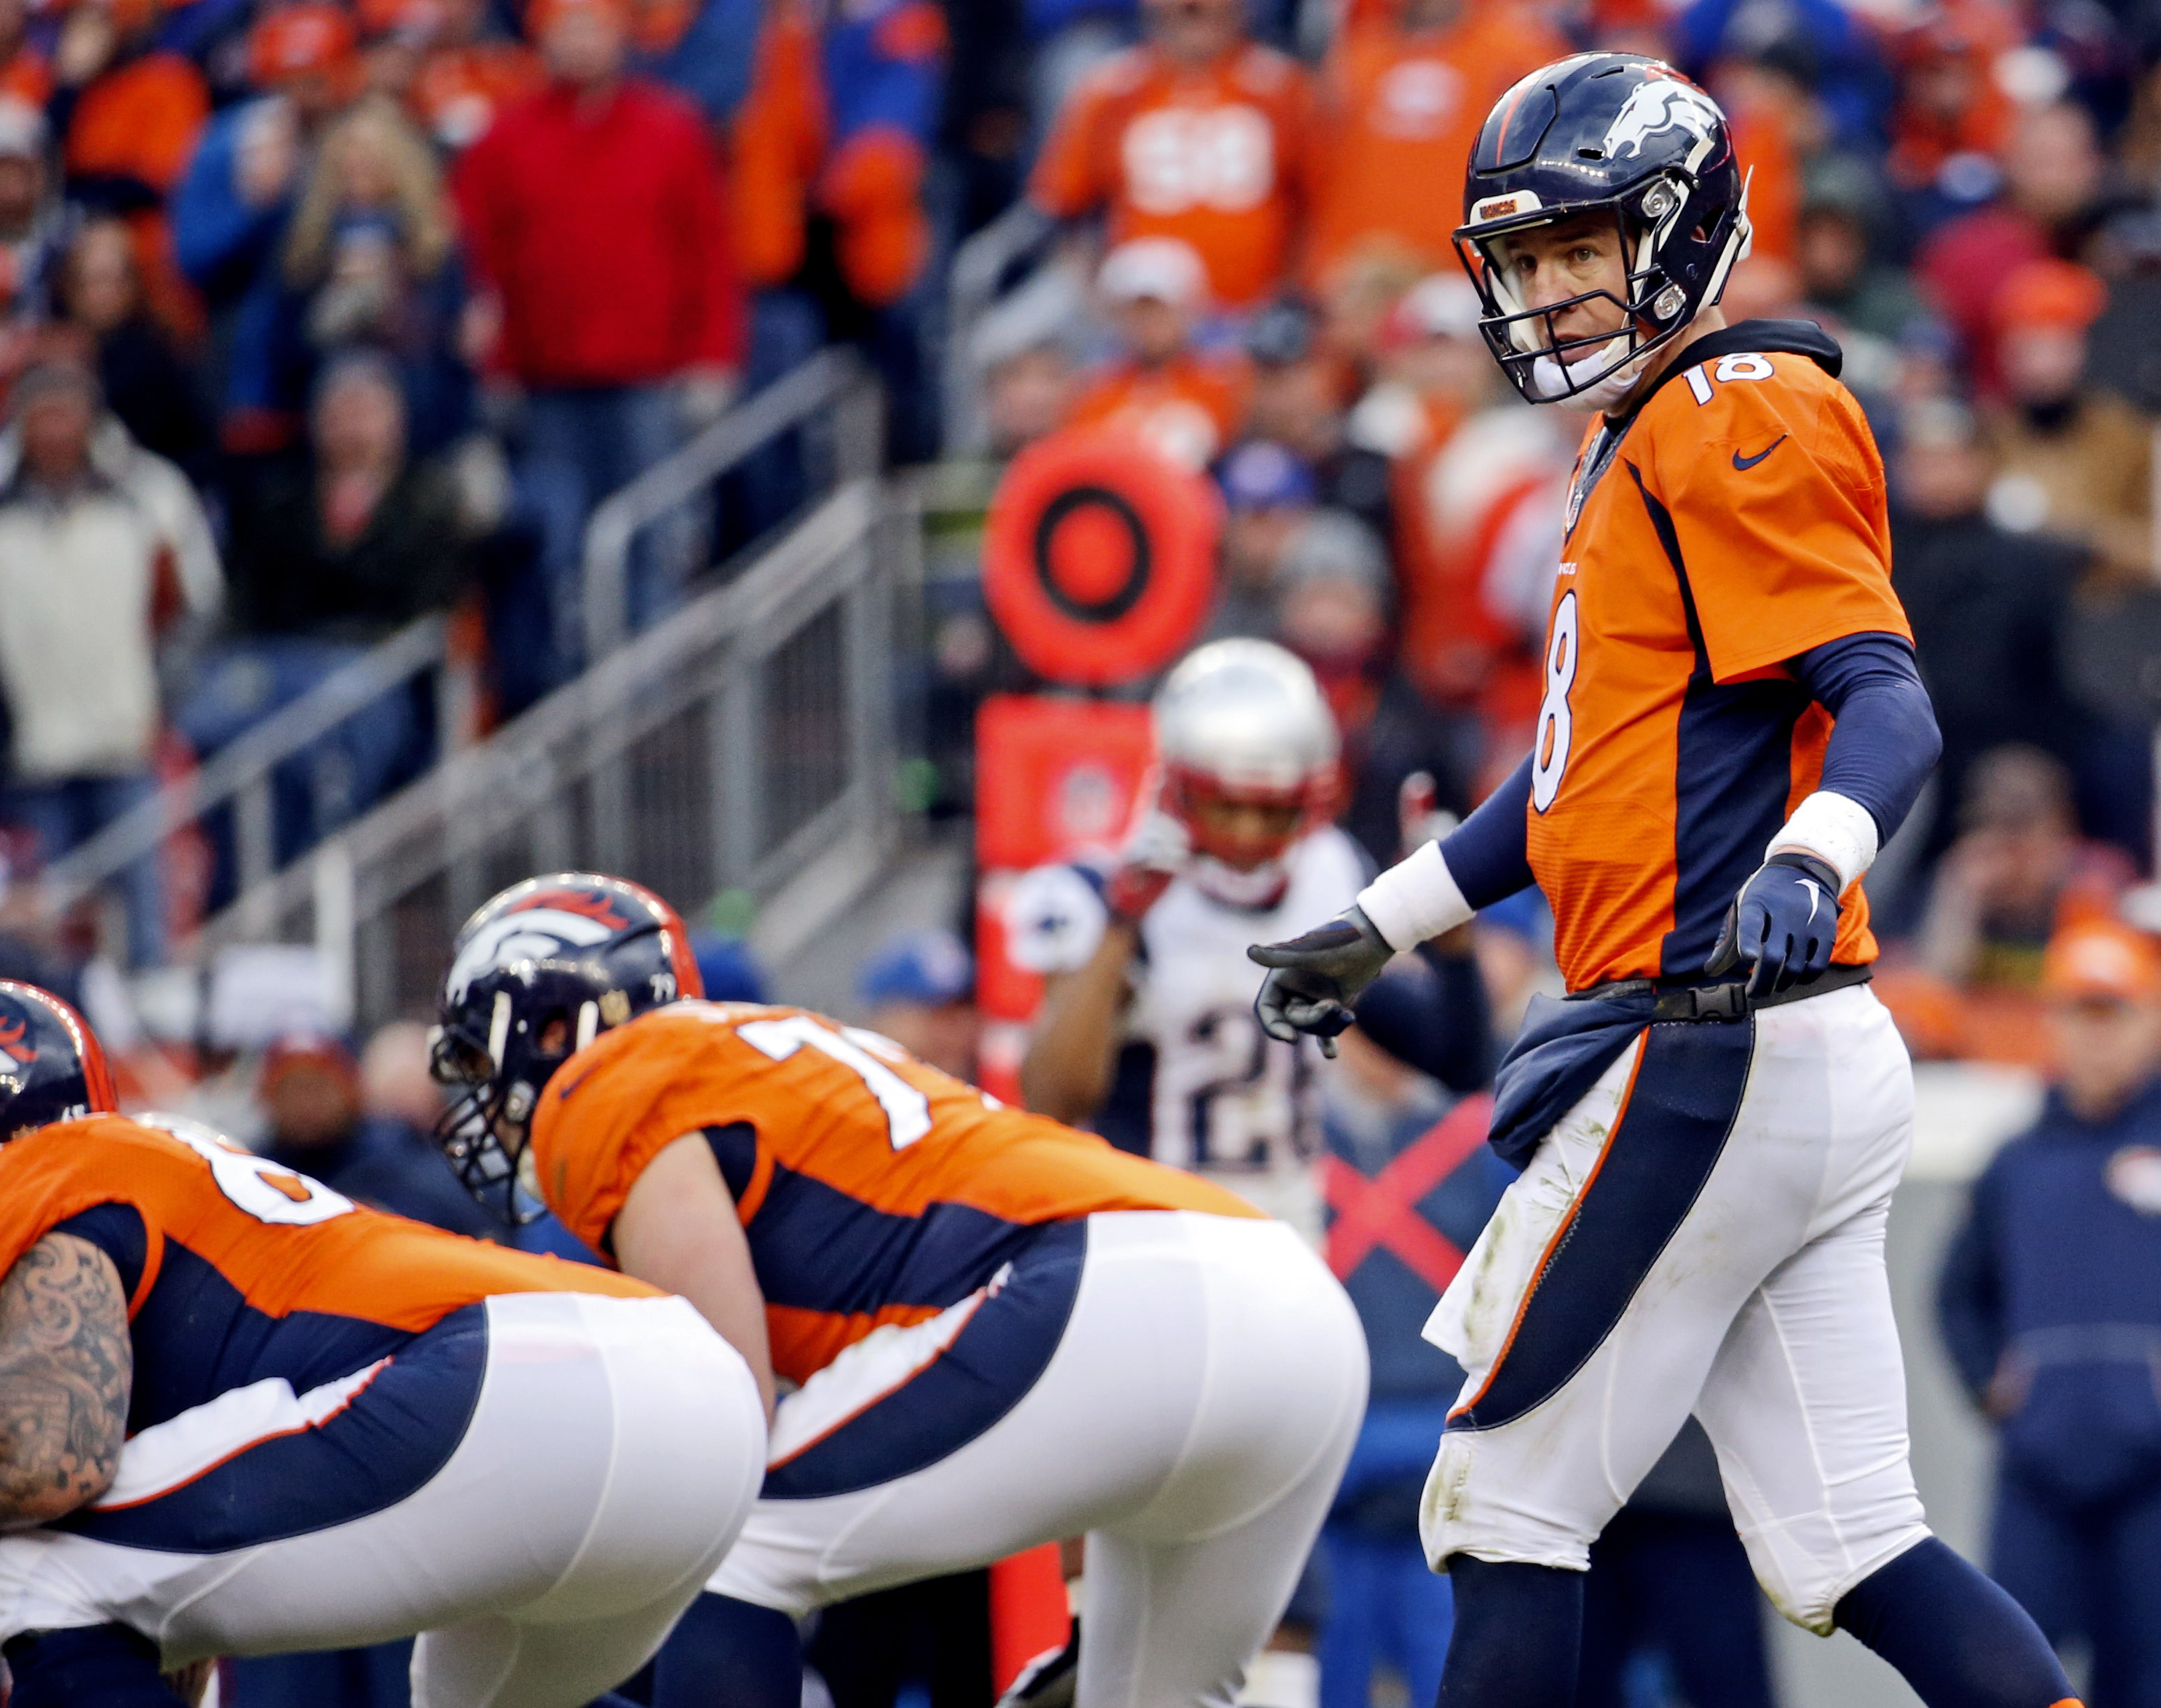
column 1383, row 1210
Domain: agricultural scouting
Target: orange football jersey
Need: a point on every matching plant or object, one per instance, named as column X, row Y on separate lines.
column 1398, row 113
column 872, row 1189
column 1217, row 157
column 1735, row 522
column 239, row 1271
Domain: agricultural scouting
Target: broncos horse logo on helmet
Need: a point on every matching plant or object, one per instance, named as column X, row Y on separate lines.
column 1617, row 136
column 52, row 1067
column 537, row 974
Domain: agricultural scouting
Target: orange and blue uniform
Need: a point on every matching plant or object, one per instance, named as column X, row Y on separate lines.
column 873, row 1189
column 1734, row 522
column 311, row 1361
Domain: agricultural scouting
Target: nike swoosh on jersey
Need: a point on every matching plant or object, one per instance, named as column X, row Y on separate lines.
column 1748, row 462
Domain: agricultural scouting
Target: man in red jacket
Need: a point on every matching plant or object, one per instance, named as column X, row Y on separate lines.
column 610, row 305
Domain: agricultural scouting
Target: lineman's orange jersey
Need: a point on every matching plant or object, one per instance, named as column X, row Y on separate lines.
column 238, row 1271
column 1738, row 522
column 1216, row 157
column 1398, row 113
column 872, row 1189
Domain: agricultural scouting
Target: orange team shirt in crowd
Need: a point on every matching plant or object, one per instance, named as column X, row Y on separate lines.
column 140, row 121
column 1218, row 157
column 1399, row 112
column 1737, row 520
column 27, row 77
column 871, row 1189
column 237, row 1270
column 1188, row 408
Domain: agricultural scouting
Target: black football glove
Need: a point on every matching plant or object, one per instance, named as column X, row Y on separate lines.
column 1313, row 980
column 1783, row 923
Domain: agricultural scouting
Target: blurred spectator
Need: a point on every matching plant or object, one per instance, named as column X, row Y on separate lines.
column 369, row 261
column 89, row 578
column 1478, row 498
column 146, row 382
column 1298, row 397
column 2072, row 461
column 1185, row 404
column 1953, row 116
column 318, row 1122
column 468, row 71
column 25, row 75
column 1268, row 498
column 1401, row 98
column 1331, row 608
column 32, row 218
column 1840, row 272
column 918, row 989
column 596, row 217
column 230, row 216
column 1028, row 393
column 2019, row 873
column 331, row 552
column 357, row 540
column 1198, row 134
column 2050, row 1303
column 1987, row 607
column 2052, row 176
column 128, row 111
column 829, row 155
column 1410, row 1184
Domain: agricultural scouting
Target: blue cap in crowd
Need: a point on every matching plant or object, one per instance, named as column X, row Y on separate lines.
column 726, row 969
column 932, row 967
column 1260, row 475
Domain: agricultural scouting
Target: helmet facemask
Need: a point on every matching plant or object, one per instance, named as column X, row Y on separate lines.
column 1599, row 369
column 486, row 1133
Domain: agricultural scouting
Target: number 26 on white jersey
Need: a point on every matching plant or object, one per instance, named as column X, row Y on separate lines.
column 1556, row 725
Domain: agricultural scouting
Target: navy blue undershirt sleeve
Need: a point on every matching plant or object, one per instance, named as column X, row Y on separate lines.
column 1485, row 853
column 116, row 1230
column 1432, row 1014
column 1885, row 741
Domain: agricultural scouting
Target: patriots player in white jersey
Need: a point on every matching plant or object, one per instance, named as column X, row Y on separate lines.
column 1147, row 1031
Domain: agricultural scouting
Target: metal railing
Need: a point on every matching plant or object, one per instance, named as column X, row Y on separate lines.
column 978, row 277
column 243, row 773
column 835, row 384
column 746, row 743
column 832, row 400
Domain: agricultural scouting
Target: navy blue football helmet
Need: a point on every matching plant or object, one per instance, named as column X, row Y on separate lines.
column 52, row 1067
column 1615, row 135
column 537, row 974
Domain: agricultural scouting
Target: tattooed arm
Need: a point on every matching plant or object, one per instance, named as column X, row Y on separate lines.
column 65, row 1364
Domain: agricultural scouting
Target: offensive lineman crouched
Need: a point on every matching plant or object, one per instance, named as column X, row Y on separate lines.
column 1002, row 1331
column 339, row 1427
column 1711, row 1126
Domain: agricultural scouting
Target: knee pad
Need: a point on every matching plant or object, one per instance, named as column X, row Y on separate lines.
column 108, row 1664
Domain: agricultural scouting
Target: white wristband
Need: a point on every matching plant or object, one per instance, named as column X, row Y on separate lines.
column 1838, row 831
column 1414, row 899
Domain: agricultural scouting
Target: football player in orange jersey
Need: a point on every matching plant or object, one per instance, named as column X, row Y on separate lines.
column 239, row 1414
column 1711, row 1126
column 993, row 1331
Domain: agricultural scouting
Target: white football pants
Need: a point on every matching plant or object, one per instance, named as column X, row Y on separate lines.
column 1194, row 1422
column 614, row 1451
column 1757, row 1298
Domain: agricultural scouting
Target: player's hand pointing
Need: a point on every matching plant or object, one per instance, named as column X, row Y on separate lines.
column 1313, row 980
column 1783, row 923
